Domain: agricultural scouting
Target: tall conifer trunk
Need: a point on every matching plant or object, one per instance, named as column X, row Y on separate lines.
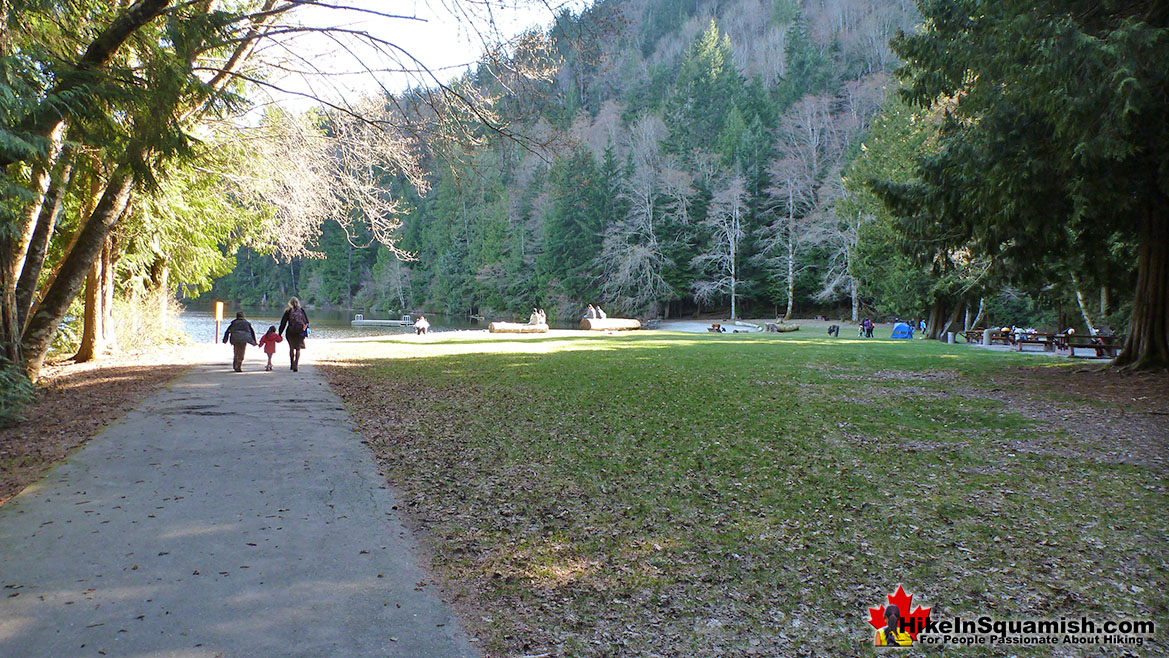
column 14, row 242
column 5, row 40
column 38, row 246
column 87, row 246
column 1147, row 344
column 160, row 288
column 934, row 324
column 93, row 342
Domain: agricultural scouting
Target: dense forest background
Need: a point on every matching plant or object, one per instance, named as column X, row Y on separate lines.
column 749, row 157
column 702, row 152
column 706, row 156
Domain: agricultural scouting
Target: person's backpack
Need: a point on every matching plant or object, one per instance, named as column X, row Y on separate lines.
column 297, row 320
column 240, row 335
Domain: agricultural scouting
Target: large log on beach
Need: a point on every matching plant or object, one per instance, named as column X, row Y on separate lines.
column 610, row 324
column 779, row 327
column 517, row 328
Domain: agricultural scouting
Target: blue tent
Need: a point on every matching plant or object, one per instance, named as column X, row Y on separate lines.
column 902, row 330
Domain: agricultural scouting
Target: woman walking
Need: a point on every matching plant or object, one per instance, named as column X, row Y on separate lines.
column 294, row 325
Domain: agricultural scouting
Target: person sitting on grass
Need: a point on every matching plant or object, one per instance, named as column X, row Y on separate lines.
column 268, row 344
column 421, row 325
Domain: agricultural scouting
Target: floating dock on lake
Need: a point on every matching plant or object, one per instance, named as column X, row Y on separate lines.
column 360, row 322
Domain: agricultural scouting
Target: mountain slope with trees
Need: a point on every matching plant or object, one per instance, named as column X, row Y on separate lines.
column 673, row 119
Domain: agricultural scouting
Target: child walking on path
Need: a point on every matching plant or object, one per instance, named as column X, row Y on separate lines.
column 268, row 343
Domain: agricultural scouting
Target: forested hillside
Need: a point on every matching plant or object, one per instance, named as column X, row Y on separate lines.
column 695, row 163
column 660, row 158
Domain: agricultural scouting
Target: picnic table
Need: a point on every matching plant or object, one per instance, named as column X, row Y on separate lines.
column 996, row 336
column 1047, row 341
column 1100, row 345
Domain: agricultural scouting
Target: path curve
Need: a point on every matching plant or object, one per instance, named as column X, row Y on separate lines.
column 231, row 514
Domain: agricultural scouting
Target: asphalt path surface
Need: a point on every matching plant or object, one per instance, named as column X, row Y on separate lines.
column 231, row 514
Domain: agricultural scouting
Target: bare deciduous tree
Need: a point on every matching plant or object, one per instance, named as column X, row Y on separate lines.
column 721, row 260
column 810, row 140
column 633, row 255
column 837, row 234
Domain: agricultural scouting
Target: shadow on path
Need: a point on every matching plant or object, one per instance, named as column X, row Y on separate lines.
column 228, row 515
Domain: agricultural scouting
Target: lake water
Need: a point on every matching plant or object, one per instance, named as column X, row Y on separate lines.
column 200, row 322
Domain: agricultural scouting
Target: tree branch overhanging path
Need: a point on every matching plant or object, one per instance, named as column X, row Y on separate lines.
column 139, row 87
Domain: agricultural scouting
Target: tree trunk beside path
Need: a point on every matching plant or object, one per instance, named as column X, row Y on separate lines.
column 1146, row 346
column 71, row 273
column 222, row 517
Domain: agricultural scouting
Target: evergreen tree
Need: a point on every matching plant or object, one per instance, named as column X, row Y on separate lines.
column 1025, row 172
column 574, row 229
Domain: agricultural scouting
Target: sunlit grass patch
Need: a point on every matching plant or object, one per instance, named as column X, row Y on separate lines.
column 681, row 494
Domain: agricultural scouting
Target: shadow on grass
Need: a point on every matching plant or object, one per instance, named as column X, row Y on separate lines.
column 582, row 485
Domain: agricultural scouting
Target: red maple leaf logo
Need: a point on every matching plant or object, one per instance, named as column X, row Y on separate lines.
column 911, row 622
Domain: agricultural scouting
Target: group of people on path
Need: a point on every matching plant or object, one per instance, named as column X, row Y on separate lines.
column 293, row 326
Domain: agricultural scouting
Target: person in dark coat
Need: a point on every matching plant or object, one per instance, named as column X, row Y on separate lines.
column 294, row 326
column 241, row 334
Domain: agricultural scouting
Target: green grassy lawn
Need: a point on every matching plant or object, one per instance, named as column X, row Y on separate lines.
column 716, row 495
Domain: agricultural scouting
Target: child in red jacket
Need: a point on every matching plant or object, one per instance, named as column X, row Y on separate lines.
column 268, row 343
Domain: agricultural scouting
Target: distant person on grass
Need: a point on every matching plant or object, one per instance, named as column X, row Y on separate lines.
column 241, row 334
column 421, row 325
column 294, row 326
column 268, row 344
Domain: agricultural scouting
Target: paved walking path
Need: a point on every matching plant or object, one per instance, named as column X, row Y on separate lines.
column 229, row 515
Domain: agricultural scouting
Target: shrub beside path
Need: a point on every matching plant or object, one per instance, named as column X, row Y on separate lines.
column 227, row 515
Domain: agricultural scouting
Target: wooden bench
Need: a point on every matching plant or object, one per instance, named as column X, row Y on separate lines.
column 1100, row 346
